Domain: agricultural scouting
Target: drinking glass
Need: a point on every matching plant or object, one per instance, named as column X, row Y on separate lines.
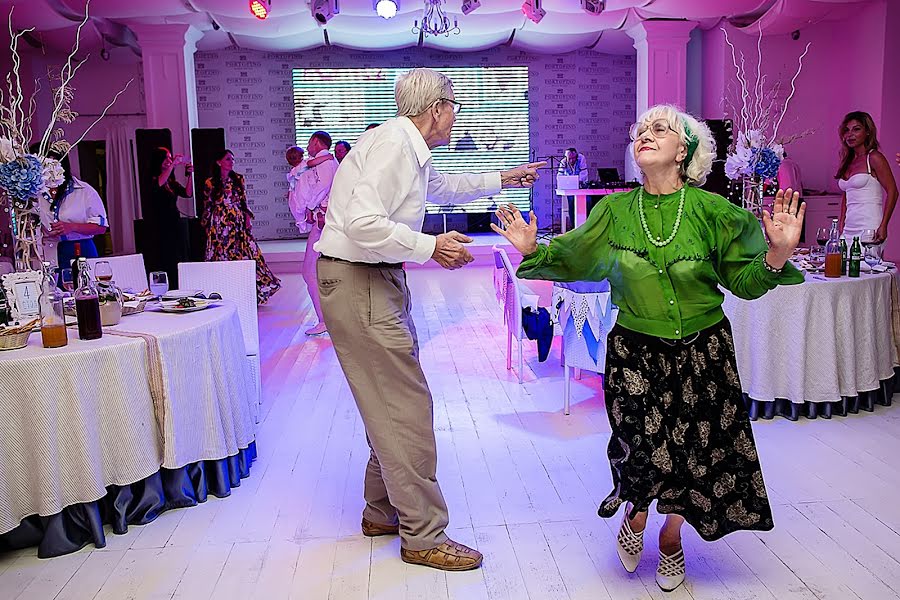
column 872, row 255
column 103, row 270
column 159, row 283
column 65, row 280
column 867, row 237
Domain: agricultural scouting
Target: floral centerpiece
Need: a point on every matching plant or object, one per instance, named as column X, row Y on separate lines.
column 757, row 111
column 26, row 176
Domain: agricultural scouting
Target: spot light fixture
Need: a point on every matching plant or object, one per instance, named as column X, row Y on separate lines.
column 260, row 8
column 386, row 9
column 470, row 5
column 324, row 10
column 594, row 7
column 533, row 10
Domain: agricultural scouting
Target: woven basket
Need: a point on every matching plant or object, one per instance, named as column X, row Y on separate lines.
column 14, row 341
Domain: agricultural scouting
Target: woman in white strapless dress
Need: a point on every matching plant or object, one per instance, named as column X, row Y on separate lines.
column 870, row 192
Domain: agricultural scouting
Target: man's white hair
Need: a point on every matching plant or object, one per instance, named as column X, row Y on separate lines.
column 418, row 89
column 701, row 162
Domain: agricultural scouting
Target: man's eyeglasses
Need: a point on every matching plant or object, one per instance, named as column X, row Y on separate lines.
column 456, row 105
column 660, row 128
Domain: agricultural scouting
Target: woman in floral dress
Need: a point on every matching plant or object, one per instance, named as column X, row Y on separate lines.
column 227, row 219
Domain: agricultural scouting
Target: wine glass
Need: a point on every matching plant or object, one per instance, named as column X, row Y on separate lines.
column 872, row 255
column 66, row 281
column 159, row 283
column 822, row 234
column 867, row 237
column 103, row 270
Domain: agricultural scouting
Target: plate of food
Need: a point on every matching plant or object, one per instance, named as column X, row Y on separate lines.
column 184, row 305
column 176, row 294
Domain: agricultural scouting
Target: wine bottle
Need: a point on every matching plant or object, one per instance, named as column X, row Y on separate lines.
column 74, row 264
column 87, row 304
column 855, row 257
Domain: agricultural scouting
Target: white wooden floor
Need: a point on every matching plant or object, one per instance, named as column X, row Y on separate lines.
column 522, row 480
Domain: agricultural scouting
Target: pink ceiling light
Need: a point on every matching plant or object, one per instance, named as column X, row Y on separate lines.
column 533, row 10
column 260, row 8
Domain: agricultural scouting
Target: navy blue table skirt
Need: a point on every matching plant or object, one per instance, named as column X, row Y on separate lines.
column 137, row 504
column 866, row 401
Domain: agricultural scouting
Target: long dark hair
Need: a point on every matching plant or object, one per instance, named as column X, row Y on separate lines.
column 157, row 158
column 217, row 184
column 871, row 143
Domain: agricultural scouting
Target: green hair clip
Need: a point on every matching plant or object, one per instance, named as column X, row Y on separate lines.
column 693, row 142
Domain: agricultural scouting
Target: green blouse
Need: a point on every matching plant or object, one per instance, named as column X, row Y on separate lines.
column 670, row 292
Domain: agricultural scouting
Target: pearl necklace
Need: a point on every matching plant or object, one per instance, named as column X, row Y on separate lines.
column 656, row 242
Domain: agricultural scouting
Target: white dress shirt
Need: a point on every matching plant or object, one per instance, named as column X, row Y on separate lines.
column 82, row 205
column 377, row 203
column 311, row 188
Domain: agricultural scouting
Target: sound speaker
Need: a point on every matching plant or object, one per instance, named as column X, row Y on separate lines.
column 149, row 236
column 716, row 181
column 208, row 145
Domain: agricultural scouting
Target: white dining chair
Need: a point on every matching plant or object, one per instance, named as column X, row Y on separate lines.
column 513, row 295
column 234, row 280
column 129, row 272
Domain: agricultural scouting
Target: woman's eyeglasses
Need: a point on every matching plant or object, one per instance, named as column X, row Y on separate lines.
column 660, row 128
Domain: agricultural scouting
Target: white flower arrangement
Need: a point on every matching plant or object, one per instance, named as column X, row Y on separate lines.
column 757, row 114
column 24, row 176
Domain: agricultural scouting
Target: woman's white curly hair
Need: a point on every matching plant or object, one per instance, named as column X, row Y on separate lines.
column 701, row 162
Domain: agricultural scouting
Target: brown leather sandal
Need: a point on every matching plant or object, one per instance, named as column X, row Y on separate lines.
column 449, row 556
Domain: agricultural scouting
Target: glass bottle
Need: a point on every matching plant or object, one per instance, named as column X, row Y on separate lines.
column 845, row 255
column 74, row 265
column 833, row 252
column 855, row 257
column 87, row 304
column 53, row 319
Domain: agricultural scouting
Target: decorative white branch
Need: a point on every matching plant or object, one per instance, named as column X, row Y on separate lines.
column 793, row 89
column 102, row 114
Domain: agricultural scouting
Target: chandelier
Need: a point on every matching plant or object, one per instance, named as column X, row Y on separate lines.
column 435, row 21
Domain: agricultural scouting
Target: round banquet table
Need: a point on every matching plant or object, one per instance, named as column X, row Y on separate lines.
column 154, row 415
column 821, row 348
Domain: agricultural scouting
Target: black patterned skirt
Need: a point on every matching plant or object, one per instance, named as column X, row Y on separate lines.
column 680, row 432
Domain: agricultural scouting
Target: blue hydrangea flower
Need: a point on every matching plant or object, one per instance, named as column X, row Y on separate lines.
column 22, row 179
column 765, row 162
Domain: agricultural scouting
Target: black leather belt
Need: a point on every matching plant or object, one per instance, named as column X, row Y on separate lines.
column 380, row 265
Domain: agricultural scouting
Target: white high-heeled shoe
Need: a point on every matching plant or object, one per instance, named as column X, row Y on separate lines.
column 629, row 545
column 671, row 571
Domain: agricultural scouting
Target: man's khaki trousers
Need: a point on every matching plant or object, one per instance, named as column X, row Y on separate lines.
column 367, row 311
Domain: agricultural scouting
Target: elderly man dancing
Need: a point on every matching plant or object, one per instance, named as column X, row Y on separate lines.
column 372, row 227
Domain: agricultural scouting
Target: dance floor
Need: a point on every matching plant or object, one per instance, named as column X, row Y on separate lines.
column 522, row 481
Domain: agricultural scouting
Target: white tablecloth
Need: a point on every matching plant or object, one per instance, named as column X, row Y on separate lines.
column 76, row 419
column 814, row 342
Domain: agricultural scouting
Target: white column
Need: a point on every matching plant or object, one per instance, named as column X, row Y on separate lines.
column 169, row 83
column 661, row 62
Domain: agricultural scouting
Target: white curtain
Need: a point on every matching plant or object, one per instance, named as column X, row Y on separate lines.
column 122, row 200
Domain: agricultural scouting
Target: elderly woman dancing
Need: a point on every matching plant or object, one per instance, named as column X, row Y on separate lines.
column 680, row 432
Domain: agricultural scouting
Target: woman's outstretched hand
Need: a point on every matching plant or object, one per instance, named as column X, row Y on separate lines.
column 783, row 226
column 522, row 235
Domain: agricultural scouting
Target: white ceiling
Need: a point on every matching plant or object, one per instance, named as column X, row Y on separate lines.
column 291, row 27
